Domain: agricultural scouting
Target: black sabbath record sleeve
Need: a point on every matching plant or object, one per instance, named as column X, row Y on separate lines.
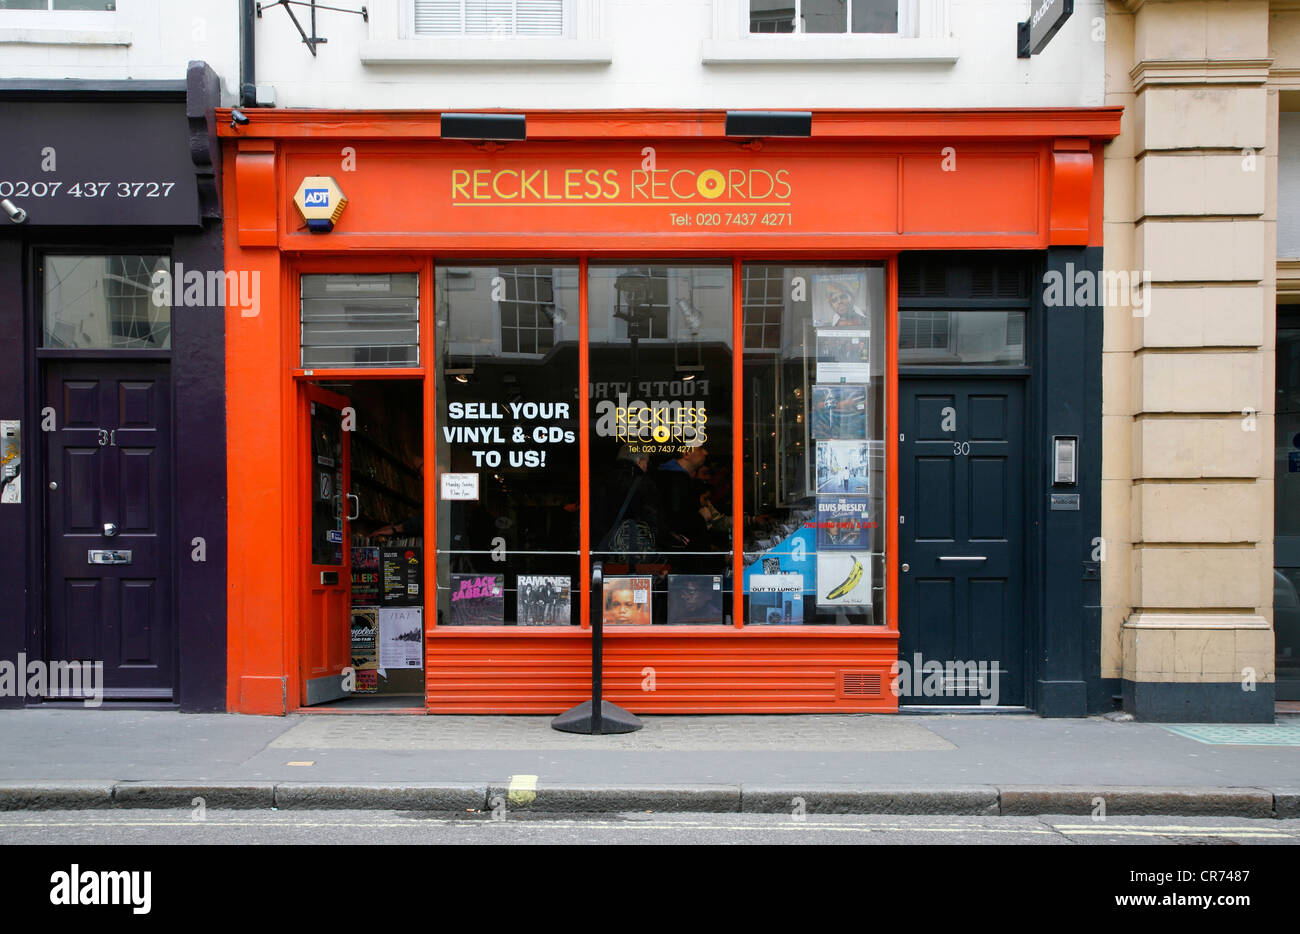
column 477, row 600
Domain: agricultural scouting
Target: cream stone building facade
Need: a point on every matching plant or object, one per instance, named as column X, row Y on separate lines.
column 1190, row 469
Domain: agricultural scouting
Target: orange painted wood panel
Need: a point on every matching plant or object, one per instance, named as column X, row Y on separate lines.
column 968, row 191
column 733, row 671
column 255, row 206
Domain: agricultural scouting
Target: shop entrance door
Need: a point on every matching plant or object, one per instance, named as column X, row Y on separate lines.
column 108, row 500
column 961, row 541
column 325, row 648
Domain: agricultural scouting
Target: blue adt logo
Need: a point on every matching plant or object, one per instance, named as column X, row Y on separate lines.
column 316, row 197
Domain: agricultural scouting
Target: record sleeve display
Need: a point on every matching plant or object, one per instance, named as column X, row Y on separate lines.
column 843, row 578
column 695, row 599
column 400, row 572
column 843, row 523
column 839, row 411
column 626, row 601
column 840, row 300
column 776, row 599
column 843, row 467
column 843, row 356
column 477, row 600
column 543, row 600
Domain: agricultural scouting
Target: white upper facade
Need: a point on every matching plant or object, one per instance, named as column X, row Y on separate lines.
column 583, row 54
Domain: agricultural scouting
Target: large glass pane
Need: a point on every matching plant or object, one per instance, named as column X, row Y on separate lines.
column 120, row 302
column 360, row 320
column 983, row 338
column 824, row 16
column 661, row 457
column 771, row 16
column 327, row 485
column 875, row 15
column 814, row 444
column 507, row 442
column 108, row 5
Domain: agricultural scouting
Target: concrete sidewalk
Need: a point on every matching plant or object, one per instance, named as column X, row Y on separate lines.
column 971, row 764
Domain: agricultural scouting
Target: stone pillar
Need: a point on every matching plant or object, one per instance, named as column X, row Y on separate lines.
column 1187, row 489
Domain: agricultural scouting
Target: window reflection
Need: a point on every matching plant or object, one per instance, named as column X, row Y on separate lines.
column 119, row 302
column 660, row 364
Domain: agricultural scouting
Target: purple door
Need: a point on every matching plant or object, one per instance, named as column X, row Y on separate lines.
column 108, row 509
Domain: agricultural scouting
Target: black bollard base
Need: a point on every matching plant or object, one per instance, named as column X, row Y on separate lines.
column 613, row 719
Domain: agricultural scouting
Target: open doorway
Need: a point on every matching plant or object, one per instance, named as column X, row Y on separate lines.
column 363, row 637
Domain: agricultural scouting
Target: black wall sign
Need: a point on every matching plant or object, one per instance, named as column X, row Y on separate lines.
column 1046, row 17
column 93, row 164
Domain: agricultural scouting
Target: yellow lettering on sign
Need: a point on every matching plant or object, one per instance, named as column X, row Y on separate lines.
column 459, row 182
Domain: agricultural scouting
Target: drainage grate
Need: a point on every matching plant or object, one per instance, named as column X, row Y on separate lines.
column 1277, row 734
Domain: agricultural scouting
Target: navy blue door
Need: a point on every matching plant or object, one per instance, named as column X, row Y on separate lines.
column 108, row 497
column 962, row 555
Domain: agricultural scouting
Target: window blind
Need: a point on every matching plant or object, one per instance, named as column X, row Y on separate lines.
column 489, row 17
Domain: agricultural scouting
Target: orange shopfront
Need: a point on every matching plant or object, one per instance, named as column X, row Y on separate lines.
column 628, row 344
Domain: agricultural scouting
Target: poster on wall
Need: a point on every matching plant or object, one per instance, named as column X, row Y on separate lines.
column 843, row 522
column 840, row 300
column 627, row 601
column 400, row 573
column 694, row 599
column 843, row 356
column 365, row 648
column 477, row 600
column 401, row 636
column 843, row 578
column 839, row 411
column 843, row 467
column 365, row 576
column 543, row 600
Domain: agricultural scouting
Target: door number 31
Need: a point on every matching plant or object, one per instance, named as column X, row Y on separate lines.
column 107, row 437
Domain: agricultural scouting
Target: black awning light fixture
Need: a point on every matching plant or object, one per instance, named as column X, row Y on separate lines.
column 485, row 127
column 757, row 123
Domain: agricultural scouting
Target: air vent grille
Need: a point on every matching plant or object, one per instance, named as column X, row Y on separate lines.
column 860, row 683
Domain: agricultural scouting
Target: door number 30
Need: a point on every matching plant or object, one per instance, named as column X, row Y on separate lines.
column 961, row 448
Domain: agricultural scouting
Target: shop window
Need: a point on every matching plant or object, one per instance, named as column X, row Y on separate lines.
column 823, row 16
column 489, row 17
column 979, row 338
column 121, row 302
column 814, row 405
column 661, row 442
column 507, row 443
column 360, row 320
